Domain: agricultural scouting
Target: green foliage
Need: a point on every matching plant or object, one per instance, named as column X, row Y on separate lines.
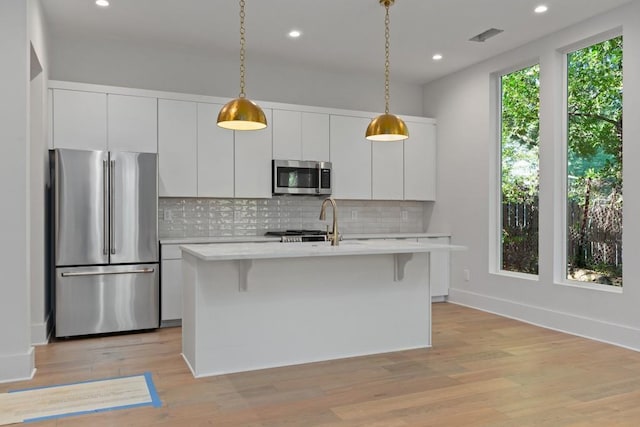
column 594, row 159
column 594, row 107
column 520, row 135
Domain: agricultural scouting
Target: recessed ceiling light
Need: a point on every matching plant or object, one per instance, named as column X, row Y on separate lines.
column 294, row 34
column 541, row 9
column 102, row 3
column 437, row 57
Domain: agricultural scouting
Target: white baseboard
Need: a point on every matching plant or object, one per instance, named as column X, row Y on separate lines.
column 586, row 327
column 40, row 332
column 17, row 367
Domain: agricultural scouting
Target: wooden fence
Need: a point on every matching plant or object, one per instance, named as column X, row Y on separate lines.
column 594, row 242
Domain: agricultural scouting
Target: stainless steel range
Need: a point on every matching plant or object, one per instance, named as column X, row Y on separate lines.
column 296, row 236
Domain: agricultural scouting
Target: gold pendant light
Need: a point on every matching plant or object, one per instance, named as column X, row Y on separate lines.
column 387, row 127
column 242, row 113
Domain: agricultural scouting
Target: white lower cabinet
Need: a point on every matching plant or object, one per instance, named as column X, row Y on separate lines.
column 171, row 284
column 440, row 266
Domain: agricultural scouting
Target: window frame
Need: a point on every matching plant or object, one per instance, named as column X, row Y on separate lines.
column 495, row 196
column 560, row 273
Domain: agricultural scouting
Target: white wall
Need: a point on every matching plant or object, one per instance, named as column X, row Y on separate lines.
column 466, row 147
column 38, row 171
column 16, row 353
column 118, row 63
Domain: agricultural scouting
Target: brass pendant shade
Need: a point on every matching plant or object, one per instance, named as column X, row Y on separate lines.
column 242, row 113
column 387, row 127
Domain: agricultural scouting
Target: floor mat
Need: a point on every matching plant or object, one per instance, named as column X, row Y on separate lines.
column 36, row 404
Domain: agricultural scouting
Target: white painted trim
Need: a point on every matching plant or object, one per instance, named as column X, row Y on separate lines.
column 590, row 286
column 17, row 367
column 581, row 326
column 589, row 41
column 40, row 332
column 560, row 270
column 87, row 87
column 517, row 275
column 495, row 168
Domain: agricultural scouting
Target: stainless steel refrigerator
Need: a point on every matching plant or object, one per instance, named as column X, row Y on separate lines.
column 105, row 238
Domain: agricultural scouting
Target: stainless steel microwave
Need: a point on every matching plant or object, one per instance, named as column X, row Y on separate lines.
column 301, row 177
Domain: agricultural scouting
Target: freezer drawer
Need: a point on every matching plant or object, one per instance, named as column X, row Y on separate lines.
column 91, row 300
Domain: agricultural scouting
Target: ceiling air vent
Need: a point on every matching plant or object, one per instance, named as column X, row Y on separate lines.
column 485, row 35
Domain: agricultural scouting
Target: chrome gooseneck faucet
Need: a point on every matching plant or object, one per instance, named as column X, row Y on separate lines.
column 334, row 233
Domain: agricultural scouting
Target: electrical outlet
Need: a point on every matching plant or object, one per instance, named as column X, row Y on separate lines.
column 166, row 214
column 467, row 274
column 354, row 214
column 405, row 216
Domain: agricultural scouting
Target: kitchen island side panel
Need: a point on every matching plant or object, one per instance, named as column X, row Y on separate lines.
column 300, row 310
column 189, row 309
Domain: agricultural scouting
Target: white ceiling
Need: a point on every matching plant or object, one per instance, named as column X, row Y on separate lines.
column 340, row 35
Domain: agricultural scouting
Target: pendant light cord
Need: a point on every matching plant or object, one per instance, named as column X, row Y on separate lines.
column 386, row 58
column 242, row 44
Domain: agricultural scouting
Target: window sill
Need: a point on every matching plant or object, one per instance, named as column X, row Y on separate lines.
column 591, row 286
column 516, row 275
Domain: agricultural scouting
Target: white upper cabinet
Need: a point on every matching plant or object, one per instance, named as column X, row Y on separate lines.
column 132, row 123
column 315, row 136
column 177, row 148
column 79, row 120
column 215, row 154
column 100, row 121
column 420, row 162
column 253, row 154
column 300, row 135
column 350, row 158
column 287, row 135
column 387, row 170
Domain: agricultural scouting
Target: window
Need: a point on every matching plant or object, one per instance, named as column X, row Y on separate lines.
column 519, row 136
column 594, row 164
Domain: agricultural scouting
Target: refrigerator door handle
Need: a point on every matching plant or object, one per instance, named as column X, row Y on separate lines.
column 105, row 273
column 112, row 201
column 105, row 203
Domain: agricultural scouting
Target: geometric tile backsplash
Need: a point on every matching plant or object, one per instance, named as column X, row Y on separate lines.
column 198, row 217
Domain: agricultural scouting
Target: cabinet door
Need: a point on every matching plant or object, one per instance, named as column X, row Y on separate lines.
column 79, row 120
column 253, row 162
column 387, row 170
column 133, row 123
column 439, row 268
column 351, row 158
column 287, row 134
column 171, row 290
column 420, row 162
column 315, row 136
column 177, row 149
column 215, row 154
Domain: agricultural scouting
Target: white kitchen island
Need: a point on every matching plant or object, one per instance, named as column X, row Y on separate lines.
column 250, row 306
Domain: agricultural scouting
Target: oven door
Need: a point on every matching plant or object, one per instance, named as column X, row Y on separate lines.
column 301, row 177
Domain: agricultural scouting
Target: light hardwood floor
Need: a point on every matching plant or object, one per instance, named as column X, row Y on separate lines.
column 483, row 370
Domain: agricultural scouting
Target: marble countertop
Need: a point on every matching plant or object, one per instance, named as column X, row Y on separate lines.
column 271, row 250
column 243, row 239
column 201, row 240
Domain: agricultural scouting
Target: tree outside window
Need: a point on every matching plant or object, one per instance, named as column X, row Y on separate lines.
column 520, row 125
column 594, row 163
